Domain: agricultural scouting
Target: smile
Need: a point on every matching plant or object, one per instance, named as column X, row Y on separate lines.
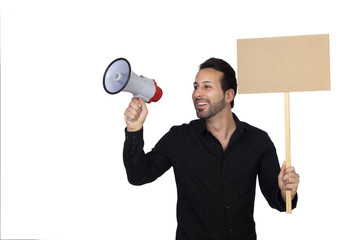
column 200, row 106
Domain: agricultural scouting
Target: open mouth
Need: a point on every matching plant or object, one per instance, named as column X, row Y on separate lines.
column 201, row 104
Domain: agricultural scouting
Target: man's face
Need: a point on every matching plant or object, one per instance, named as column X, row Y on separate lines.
column 208, row 96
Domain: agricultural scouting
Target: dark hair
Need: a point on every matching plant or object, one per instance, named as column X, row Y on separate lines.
column 228, row 81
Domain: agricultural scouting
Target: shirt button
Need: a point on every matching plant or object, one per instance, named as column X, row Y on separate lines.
column 230, row 230
column 225, row 184
column 227, row 207
column 224, row 162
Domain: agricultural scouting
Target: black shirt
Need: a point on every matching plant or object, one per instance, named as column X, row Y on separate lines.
column 216, row 188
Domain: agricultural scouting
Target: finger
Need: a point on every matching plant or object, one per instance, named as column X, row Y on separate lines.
column 142, row 104
column 135, row 104
column 129, row 117
column 134, row 110
column 281, row 175
column 290, row 169
column 134, row 99
column 292, row 187
column 291, row 180
column 291, row 177
column 282, row 170
column 283, row 167
column 141, row 101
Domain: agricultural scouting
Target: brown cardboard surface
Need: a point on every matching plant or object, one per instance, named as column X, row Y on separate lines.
column 283, row 64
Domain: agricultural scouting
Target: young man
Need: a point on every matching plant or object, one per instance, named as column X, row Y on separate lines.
column 216, row 160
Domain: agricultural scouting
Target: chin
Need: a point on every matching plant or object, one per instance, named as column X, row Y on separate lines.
column 203, row 115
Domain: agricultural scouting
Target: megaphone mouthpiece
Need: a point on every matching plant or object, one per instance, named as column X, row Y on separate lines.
column 157, row 95
column 118, row 77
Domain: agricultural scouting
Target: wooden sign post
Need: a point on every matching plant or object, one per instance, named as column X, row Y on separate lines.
column 284, row 64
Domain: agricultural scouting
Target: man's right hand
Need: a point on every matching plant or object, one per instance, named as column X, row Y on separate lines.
column 135, row 114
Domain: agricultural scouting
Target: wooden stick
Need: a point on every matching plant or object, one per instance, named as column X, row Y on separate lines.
column 287, row 147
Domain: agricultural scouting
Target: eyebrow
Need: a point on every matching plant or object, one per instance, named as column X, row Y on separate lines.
column 205, row 81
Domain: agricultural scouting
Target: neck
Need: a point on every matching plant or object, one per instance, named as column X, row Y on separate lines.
column 222, row 126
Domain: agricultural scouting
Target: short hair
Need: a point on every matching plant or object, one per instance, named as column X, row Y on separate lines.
column 228, row 81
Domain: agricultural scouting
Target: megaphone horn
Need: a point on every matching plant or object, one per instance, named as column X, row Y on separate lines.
column 118, row 77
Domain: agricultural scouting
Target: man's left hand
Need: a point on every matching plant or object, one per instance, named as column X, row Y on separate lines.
column 288, row 179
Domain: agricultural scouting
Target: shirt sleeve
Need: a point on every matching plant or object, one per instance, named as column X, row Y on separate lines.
column 142, row 168
column 269, row 170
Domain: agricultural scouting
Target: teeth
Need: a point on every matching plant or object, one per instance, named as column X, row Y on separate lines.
column 201, row 104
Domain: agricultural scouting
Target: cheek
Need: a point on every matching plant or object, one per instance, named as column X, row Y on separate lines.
column 215, row 95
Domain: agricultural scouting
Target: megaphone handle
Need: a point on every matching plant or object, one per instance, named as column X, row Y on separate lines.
column 142, row 97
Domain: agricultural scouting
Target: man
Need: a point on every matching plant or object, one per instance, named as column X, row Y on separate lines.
column 216, row 160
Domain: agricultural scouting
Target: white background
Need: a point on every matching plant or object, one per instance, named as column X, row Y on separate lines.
column 62, row 175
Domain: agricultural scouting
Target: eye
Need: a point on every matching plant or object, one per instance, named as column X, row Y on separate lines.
column 196, row 87
column 207, row 86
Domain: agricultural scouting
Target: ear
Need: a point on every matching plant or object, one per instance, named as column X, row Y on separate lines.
column 229, row 95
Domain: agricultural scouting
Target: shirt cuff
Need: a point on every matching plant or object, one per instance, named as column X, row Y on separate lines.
column 132, row 137
column 283, row 203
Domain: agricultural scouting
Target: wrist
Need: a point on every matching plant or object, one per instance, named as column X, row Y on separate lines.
column 133, row 129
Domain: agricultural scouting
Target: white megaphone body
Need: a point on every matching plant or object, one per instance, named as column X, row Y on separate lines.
column 118, row 77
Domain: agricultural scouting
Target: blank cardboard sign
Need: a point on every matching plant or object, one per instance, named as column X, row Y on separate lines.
column 283, row 64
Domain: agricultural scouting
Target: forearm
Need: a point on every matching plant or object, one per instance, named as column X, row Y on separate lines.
column 142, row 168
column 134, row 157
column 269, row 180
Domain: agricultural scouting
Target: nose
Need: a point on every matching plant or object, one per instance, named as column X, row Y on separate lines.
column 198, row 92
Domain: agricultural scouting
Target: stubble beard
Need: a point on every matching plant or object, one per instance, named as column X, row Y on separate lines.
column 213, row 109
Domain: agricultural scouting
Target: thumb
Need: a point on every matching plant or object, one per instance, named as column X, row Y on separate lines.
column 280, row 177
column 283, row 168
column 143, row 110
column 142, row 102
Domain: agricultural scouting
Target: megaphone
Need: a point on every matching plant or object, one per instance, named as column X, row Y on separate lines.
column 118, row 77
